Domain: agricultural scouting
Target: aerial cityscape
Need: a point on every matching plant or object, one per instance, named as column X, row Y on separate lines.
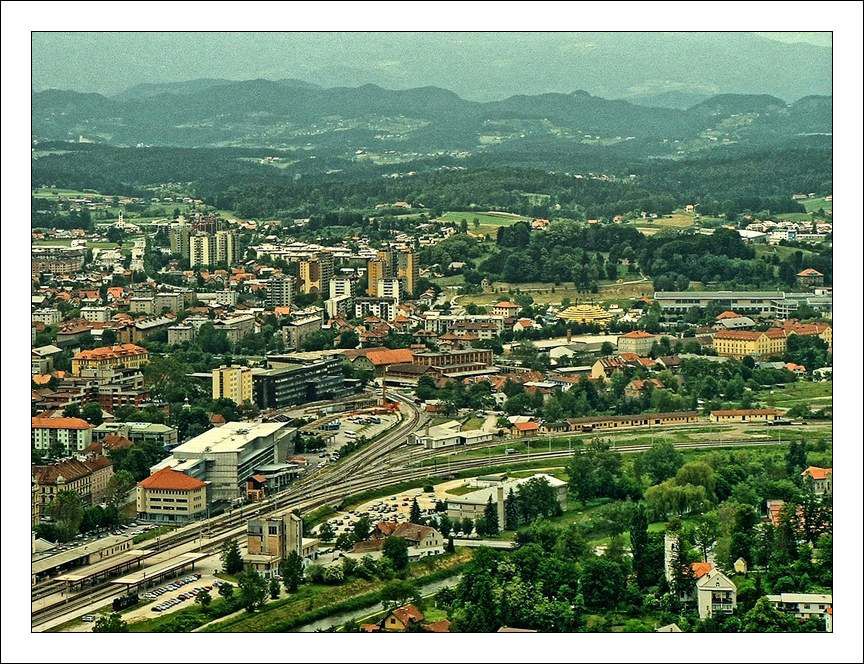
column 355, row 345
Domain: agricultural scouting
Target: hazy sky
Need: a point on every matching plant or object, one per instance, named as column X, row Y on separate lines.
column 111, row 62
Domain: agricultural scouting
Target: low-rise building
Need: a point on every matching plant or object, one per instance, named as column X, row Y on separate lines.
column 745, row 415
column 821, row 477
column 171, row 496
column 715, row 593
column 270, row 540
column 472, row 505
column 138, row 432
column 802, row 605
column 637, row 341
column 46, row 315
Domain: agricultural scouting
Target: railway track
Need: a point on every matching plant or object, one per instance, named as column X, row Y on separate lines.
column 333, row 489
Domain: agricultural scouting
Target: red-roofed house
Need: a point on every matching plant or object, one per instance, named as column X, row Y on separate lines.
column 169, row 496
column 524, row 429
column 401, row 618
column 809, row 277
column 822, row 478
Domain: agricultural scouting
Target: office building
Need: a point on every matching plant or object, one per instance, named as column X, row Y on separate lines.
column 226, row 456
column 171, row 496
column 292, row 381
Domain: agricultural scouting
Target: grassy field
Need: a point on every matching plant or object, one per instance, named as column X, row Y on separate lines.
column 817, row 395
column 550, row 293
column 489, row 221
column 813, row 204
column 127, row 244
column 50, row 192
column 781, row 252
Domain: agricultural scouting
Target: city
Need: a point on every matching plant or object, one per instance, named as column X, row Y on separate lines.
column 482, row 343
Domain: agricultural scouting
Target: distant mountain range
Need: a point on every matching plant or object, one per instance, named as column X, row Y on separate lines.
column 294, row 114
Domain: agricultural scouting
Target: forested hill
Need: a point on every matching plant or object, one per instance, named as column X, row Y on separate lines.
column 293, row 114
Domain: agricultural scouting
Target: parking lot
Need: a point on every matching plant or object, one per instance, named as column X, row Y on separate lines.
column 131, row 529
column 351, row 427
column 396, row 507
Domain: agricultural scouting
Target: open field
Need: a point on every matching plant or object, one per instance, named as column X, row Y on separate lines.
column 813, row 204
column 816, row 395
column 778, row 250
column 549, row 293
column 127, row 244
column 53, row 193
column 489, row 221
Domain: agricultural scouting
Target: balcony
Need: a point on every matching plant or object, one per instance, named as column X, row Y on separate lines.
column 722, row 607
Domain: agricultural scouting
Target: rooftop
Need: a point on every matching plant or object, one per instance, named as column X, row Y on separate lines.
column 230, row 437
column 168, row 478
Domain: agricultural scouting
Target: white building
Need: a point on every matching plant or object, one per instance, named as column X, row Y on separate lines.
column 228, row 455
column 47, row 315
column 803, row 605
column 96, row 314
column 341, row 286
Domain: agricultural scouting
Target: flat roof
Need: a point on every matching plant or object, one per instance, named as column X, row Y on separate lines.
column 105, row 565
column 45, row 563
column 740, row 295
column 230, row 437
column 159, row 568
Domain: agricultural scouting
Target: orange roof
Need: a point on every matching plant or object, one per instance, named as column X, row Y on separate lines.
column 506, row 304
column 282, row 311
column 810, row 272
column 58, row 423
column 526, row 426
column 41, row 379
column 745, row 411
column 728, row 314
column 408, row 613
column 817, row 473
column 168, row 478
column 440, row 626
column 104, row 352
column 638, row 334
column 390, row 356
column 701, row 569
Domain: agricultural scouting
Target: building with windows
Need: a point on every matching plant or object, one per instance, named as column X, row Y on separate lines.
column 178, row 238
column 171, row 496
column 46, row 315
column 821, row 478
column 741, row 343
column 802, row 605
column 270, row 540
column 315, row 273
column 291, row 381
column 341, row 286
column 809, row 278
column 226, row 456
column 764, row 304
column 120, row 356
column 295, row 332
column 69, row 434
column 138, row 432
column 89, row 479
column 234, row 382
column 279, row 292
column 637, row 341
column 375, row 269
column 389, row 288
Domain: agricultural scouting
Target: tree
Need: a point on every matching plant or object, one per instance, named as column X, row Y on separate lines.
column 490, row 518
column 399, row 592
column 705, row 534
column 291, row 570
column 345, row 541
column 467, row 525
column 253, row 589
column 112, row 623
column 275, row 589
column 93, row 414
column 660, row 462
column 415, row 512
column 232, row 561
column 796, row 458
column 67, row 510
column 696, row 473
column 765, row 617
column 72, row 410
column 639, row 544
column 445, row 525
column 396, row 550
column 325, row 532
column 119, row 486
column 511, row 511
column 603, row 582
column 226, row 590
column 203, row 598
column 362, row 528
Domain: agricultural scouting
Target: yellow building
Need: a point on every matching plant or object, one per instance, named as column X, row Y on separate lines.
column 234, row 382
column 171, row 496
column 408, row 270
column 741, row 343
column 586, row 314
column 376, row 269
column 121, row 356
